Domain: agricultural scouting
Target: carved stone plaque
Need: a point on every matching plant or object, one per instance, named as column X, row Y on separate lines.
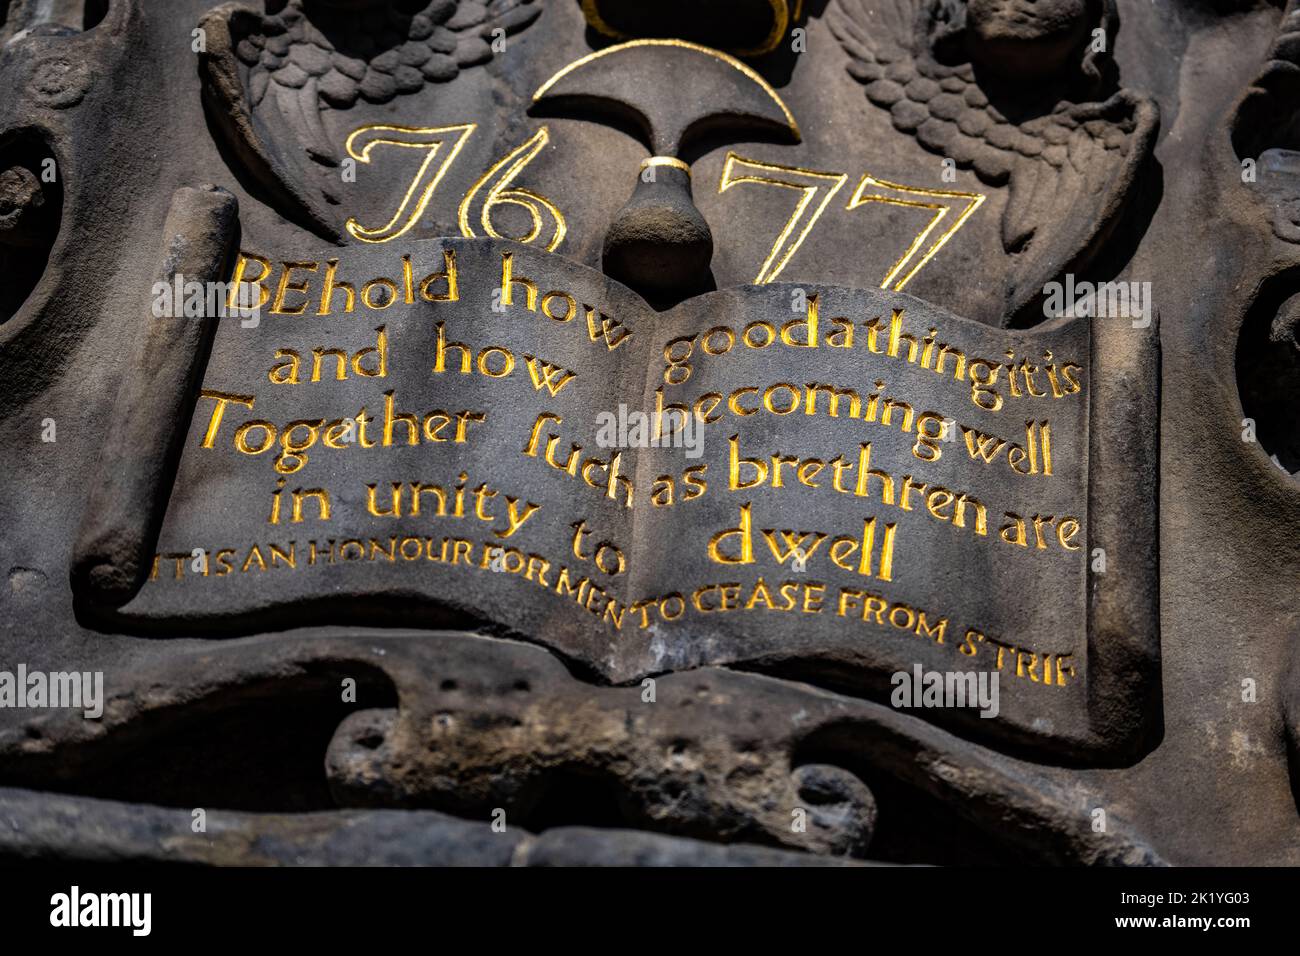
column 672, row 421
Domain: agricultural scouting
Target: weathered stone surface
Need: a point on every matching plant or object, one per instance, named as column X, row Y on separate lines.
column 467, row 724
column 46, row 828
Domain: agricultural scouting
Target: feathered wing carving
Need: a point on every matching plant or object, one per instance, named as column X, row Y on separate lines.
column 268, row 77
column 1069, row 165
column 284, row 177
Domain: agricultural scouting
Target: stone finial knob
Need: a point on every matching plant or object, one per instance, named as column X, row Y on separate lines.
column 659, row 241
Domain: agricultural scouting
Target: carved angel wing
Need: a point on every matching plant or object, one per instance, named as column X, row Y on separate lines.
column 1069, row 166
column 267, row 78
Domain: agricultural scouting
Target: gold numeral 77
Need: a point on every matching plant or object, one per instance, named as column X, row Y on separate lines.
column 870, row 189
column 806, row 211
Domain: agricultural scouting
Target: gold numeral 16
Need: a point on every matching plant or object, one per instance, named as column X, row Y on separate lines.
column 442, row 144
